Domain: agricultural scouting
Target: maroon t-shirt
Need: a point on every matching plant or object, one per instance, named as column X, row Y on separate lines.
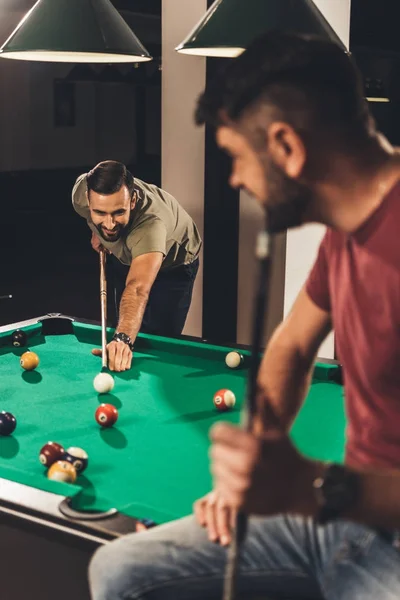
column 357, row 278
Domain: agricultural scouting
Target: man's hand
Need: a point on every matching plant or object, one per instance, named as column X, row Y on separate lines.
column 119, row 356
column 213, row 513
column 262, row 475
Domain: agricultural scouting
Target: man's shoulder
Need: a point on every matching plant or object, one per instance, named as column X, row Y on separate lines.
column 152, row 191
column 79, row 189
column 79, row 197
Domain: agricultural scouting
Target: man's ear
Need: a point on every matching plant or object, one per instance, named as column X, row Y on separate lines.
column 287, row 149
column 134, row 200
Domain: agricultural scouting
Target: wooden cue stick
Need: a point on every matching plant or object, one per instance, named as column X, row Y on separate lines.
column 103, row 304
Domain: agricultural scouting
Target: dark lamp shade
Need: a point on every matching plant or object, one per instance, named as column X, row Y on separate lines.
column 76, row 31
column 229, row 26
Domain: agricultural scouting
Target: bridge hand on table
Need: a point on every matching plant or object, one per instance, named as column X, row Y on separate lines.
column 119, row 356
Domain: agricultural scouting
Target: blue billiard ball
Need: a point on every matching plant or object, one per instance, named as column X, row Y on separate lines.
column 8, row 423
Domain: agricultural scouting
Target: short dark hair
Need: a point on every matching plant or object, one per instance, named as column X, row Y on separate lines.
column 309, row 82
column 108, row 177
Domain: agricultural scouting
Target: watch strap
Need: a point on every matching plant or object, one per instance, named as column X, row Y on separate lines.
column 337, row 491
column 119, row 336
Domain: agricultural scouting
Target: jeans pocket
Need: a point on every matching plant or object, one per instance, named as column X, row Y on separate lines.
column 352, row 548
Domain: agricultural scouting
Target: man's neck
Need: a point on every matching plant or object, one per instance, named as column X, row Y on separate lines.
column 353, row 192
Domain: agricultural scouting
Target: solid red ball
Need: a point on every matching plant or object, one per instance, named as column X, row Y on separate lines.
column 51, row 453
column 106, row 415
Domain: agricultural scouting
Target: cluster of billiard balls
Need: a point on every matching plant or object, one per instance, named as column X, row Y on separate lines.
column 63, row 465
column 66, row 465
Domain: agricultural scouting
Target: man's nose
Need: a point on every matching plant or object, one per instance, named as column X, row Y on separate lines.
column 109, row 222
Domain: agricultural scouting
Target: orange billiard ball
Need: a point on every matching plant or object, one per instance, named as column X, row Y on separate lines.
column 62, row 470
column 29, row 361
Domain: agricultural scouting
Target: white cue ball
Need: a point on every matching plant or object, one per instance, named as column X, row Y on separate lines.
column 103, row 383
column 233, row 360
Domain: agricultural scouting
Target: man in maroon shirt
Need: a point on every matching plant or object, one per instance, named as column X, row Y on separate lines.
column 291, row 113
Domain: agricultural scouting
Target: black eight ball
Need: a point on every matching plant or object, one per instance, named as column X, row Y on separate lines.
column 8, row 423
column 19, row 338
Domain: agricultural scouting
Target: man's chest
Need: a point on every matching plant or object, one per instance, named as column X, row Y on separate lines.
column 365, row 297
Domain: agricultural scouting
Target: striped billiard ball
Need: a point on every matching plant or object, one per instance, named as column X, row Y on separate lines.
column 224, row 400
column 77, row 457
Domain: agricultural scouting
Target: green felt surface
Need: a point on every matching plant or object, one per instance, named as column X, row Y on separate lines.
column 154, row 462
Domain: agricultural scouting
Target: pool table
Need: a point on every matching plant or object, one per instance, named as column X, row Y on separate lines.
column 147, row 469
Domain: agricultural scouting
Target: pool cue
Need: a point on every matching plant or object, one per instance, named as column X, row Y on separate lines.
column 265, row 252
column 103, row 305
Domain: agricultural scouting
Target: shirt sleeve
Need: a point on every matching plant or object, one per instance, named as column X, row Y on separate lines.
column 317, row 285
column 79, row 199
column 149, row 236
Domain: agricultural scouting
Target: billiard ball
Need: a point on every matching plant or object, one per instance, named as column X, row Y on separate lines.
column 8, row 423
column 78, row 458
column 29, row 361
column 51, row 453
column 224, row 400
column 19, row 338
column 233, row 360
column 103, row 383
column 62, row 470
column 106, row 415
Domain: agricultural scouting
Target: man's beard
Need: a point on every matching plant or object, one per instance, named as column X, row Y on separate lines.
column 111, row 238
column 288, row 200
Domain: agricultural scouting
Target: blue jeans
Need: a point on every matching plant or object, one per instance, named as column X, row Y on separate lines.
column 283, row 557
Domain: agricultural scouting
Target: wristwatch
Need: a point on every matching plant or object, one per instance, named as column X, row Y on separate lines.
column 337, row 491
column 123, row 337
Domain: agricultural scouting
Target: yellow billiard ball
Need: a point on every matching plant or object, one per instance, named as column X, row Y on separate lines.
column 62, row 470
column 29, row 361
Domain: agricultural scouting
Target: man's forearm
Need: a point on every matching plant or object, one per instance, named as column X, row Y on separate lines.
column 283, row 382
column 132, row 307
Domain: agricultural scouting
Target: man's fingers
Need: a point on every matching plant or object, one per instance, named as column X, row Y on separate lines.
column 118, row 356
column 231, row 489
column 210, row 517
column 233, row 460
column 111, row 350
column 223, row 522
column 97, row 352
column 230, row 435
column 199, row 512
column 126, row 358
